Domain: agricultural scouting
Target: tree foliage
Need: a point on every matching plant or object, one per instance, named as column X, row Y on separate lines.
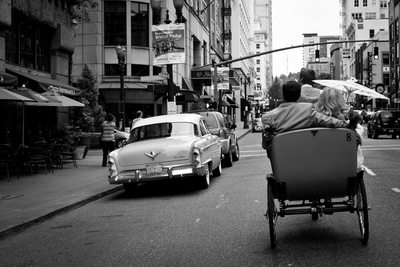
column 275, row 91
column 92, row 115
column 324, row 76
column 79, row 9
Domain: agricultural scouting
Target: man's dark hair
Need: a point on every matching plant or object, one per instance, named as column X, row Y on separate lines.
column 291, row 91
column 307, row 76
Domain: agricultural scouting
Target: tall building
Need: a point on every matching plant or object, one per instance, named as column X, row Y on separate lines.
column 263, row 43
column 361, row 20
column 242, row 21
column 394, row 52
column 309, row 58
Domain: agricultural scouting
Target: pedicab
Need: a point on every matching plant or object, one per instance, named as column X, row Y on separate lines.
column 314, row 171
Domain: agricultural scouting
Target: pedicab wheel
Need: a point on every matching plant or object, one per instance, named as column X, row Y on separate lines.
column 272, row 216
column 362, row 211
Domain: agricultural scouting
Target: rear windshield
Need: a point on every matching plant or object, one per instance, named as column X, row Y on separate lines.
column 210, row 120
column 162, row 130
column 387, row 115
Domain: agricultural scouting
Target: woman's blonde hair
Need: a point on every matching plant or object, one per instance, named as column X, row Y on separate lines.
column 331, row 102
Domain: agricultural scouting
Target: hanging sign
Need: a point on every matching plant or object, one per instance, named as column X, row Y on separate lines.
column 169, row 44
column 222, row 78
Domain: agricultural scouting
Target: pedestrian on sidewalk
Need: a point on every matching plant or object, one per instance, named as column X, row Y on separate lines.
column 138, row 116
column 107, row 137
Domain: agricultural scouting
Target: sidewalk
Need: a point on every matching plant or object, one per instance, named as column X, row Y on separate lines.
column 32, row 199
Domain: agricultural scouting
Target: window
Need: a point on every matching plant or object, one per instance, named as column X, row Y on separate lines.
column 258, row 69
column 356, row 3
column 383, row 4
column 139, row 24
column 371, row 33
column 140, row 70
column 360, row 26
column 385, row 79
column 356, row 16
column 385, row 58
column 370, row 15
column 114, row 23
column 258, row 61
column 383, row 16
column 28, row 44
column 112, row 70
column 365, row 2
column 258, row 46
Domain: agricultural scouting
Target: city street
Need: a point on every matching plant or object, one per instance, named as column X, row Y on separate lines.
column 175, row 224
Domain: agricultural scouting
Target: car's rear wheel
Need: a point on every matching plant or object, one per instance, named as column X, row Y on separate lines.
column 204, row 180
column 228, row 161
column 217, row 171
column 236, row 154
column 120, row 143
column 130, row 188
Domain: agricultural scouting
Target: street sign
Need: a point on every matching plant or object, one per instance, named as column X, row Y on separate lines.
column 346, row 53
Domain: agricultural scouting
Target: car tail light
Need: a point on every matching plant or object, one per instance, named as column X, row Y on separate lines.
column 196, row 157
column 112, row 167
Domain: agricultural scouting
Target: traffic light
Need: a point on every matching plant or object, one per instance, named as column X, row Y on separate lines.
column 317, row 55
column 376, row 52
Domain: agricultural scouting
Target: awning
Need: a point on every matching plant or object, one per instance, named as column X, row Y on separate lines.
column 231, row 102
column 48, row 84
column 8, row 79
column 127, row 85
column 57, row 100
column 190, row 96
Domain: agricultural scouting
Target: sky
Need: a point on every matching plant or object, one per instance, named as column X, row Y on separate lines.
column 291, row 19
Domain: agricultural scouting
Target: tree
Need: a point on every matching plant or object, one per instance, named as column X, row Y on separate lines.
column 79, row 9
column 92, row 115
column 275, row 92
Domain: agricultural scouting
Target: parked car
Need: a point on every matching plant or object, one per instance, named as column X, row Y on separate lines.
column 256, row 125
column 166, row 147
column 384, row 122
column 218, row 125
column 120, row 138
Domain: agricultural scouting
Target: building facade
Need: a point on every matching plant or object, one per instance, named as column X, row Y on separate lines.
column 361, row 20
column 394, row 52
column 36, row 47
column 263, row 42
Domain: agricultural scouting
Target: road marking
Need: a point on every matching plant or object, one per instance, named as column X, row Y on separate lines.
column 395, row 189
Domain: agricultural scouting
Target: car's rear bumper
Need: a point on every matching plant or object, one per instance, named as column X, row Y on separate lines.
column 168, row 172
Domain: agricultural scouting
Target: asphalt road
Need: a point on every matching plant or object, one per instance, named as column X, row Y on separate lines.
column 175, row 224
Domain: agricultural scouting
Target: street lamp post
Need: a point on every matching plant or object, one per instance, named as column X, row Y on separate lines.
column 213, row 57
column 121, row 55
column 246, row 108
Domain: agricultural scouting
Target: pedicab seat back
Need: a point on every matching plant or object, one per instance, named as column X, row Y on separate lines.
column 315, row 163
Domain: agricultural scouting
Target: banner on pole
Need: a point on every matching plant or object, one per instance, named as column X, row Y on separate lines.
column 169, row 44
column 222, row 78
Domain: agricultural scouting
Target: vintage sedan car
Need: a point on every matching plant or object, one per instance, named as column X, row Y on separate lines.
column 166, row 147
column 218, row 124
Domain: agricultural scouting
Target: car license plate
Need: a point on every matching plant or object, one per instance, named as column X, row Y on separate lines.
column 154, row 169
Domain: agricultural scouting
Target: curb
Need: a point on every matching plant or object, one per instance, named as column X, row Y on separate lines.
column 21, row 227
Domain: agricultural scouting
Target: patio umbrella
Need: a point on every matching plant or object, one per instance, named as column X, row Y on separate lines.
column 350, row 87
column 57, row 100
column 11, row 96
column 35, row 97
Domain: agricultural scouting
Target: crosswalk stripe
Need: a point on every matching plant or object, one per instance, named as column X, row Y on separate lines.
column 395, row 189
